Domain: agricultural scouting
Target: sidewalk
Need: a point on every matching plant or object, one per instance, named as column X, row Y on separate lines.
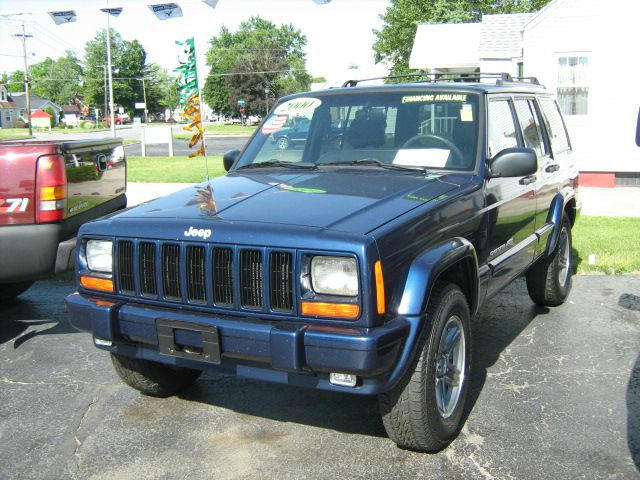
column 610, row 202
column 605, row 202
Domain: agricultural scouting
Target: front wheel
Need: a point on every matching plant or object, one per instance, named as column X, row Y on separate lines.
column 424, row 411
column 153, row 378
column 549, row 280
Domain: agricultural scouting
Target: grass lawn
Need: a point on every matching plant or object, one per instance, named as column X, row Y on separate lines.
column 614, row 241
column 219, row 130
column 172, row 169
column 13, row 133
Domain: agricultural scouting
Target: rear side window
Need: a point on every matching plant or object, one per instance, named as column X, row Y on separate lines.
column 555, row 126
column 502, row 129
column 529, row 125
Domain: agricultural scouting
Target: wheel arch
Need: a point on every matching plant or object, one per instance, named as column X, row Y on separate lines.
column 564, row 203
column 454, row 261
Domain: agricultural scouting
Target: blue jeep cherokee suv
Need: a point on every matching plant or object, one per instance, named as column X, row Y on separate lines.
column 353, row 264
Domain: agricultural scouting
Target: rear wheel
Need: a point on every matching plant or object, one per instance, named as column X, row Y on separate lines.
column 424, row 411
column 549, row 280
column 153, row 378
column 9, row 291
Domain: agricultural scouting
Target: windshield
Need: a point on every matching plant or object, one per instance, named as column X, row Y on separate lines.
column 399, row 130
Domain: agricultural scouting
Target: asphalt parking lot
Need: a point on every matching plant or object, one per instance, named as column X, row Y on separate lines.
column 555, row 394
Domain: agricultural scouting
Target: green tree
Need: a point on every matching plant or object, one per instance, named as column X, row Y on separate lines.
column 15, row 81
column 128, row 60
column 259, row 56
column 162, row 90
column 57, row 80
column 400, row 21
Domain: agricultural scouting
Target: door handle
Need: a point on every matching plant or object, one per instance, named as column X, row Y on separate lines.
column 528, row 180
column 554, row 167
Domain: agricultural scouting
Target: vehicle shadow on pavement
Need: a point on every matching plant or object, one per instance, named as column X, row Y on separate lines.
column 15, row 321
column 498, row 323
column 632, row 302
column 284, row 403
column 633, row 414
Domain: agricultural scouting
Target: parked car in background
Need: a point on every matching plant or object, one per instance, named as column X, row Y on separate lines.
column 119, row 119
column 47, row 190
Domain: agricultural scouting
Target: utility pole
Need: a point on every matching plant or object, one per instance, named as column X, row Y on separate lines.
column 144, row 99
column 104, row 81
column 24, row 37
column 111, row 112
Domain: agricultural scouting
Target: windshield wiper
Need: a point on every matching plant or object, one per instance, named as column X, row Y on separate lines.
column 378, row 163
column 278, row 163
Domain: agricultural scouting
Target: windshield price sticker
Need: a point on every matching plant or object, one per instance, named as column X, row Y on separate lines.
column 440, row 97
column 299, row 106
column 466, row 113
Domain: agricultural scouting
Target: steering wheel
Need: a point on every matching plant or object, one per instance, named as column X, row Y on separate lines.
column 447, row 143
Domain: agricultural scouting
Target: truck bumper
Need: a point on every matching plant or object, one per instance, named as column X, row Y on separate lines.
column 283, row 352
column 31, row 252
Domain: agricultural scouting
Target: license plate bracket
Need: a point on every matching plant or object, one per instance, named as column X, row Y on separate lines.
column 206, row 349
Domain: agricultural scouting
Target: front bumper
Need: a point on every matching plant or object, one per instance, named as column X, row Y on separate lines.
column 283, row 352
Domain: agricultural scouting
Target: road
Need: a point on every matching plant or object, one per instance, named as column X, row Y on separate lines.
column 215, row 146
column 555, row 394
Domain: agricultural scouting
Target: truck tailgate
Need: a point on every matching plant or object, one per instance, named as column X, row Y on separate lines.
column 96, row 173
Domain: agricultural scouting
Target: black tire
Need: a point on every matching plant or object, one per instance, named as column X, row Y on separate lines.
column 153, row 378
column 283, row 143
column 9, row 291
column 411, row 412
column 549, row 280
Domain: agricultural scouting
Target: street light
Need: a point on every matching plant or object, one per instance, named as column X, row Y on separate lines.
column 266, row 98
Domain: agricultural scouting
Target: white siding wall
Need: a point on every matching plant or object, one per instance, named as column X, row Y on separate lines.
column 499, row 66
column 607, row 33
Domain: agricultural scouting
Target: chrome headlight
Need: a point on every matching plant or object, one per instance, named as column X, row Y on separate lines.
column 334, row 276
column 100, row 255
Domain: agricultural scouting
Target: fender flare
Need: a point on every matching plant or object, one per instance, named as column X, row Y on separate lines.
column 423, row 274
column 556, row 212
column 427, row 268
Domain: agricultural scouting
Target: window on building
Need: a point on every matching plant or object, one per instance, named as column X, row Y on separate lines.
column 8, row 117
column 573, row 85
column 3, row 95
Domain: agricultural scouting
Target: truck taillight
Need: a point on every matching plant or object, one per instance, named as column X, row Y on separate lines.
column 51, row 189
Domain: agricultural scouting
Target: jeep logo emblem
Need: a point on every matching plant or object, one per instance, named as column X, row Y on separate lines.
column 202, row 233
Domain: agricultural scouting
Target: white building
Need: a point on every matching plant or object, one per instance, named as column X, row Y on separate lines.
column 585, row 51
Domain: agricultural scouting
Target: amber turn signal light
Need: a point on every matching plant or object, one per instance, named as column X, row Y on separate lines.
column 337, row 310
column 102, row 284
column 379, row 288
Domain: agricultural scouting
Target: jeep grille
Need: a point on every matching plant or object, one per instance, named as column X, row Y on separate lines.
column 230, row 277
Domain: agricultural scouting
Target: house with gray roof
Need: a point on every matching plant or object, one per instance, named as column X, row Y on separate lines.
column 583, row 50
column 37, row 103
column 9, row 113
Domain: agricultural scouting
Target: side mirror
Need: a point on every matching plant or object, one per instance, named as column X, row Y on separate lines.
column 230, row 158
column 514, row 162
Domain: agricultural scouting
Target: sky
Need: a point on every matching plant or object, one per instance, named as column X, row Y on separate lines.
column 339, row 34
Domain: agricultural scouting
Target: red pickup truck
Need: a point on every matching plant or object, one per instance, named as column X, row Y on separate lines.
column 47, row 190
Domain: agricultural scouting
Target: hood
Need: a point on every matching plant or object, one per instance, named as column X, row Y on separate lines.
column 354, row 200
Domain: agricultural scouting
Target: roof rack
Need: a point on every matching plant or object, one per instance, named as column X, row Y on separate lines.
column 502, row 78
